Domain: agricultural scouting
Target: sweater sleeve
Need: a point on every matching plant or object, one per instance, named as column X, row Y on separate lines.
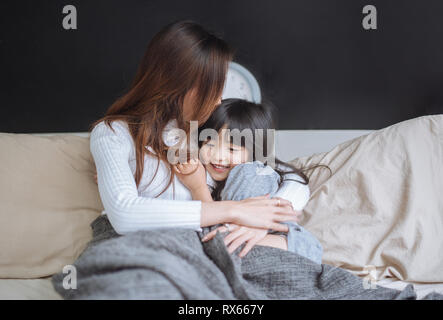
column 294, row 191
column 126, row 210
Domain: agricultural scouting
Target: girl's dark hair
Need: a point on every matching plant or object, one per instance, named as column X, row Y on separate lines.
column 241, row 114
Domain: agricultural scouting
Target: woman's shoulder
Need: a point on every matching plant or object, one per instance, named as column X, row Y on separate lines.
column 117, row 130
column 116, row 126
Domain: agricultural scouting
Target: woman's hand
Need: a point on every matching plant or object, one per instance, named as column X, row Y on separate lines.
column 191, row 174
column 264, row 213
column 259, row 212
column 296, row 212
column 239, row 235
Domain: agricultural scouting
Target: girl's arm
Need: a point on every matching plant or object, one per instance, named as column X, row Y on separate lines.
column 202, row 194
column 295, row 192
column 193, row 176
column 273, row 240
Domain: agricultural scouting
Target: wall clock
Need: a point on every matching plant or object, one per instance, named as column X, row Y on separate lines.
column 241, row 84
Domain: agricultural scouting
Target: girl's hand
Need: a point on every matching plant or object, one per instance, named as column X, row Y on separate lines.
column 191, row 174
column 239, row 235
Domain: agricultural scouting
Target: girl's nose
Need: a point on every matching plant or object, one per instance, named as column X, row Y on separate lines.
column 220, row 156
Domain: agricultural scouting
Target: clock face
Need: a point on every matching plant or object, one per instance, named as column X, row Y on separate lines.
column 241, row 84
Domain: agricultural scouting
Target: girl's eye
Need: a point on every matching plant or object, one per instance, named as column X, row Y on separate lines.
column 233, row 150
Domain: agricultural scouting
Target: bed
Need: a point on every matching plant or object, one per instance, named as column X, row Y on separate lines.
column 310, row 142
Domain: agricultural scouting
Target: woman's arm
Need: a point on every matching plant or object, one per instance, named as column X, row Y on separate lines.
column 126, row 210
column 129, row 212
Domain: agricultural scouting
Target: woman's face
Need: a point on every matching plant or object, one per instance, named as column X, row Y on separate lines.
column 189, row 105
column 219, row 157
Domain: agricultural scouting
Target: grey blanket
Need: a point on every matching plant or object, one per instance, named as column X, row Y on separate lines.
column 175, row 264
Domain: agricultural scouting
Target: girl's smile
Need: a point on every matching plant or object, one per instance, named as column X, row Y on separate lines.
column 220, row 168
column 219, row 157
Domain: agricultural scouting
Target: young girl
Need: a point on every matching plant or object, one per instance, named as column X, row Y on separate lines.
column 235, row 174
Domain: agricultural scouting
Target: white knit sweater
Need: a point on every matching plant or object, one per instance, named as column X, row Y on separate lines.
column 130, row 208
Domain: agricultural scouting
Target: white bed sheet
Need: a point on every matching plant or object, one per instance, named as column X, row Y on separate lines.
column 28, row 289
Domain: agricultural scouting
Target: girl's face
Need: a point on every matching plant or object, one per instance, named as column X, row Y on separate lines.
column 219, row 157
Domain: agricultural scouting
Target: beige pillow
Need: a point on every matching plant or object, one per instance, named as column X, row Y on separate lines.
column 48, row 198
column 381, row 210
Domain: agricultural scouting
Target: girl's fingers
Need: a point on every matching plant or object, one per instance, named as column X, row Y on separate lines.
column 248, row 246
column 212, row 234
column 221, row 229
column 239, row 241
column 234, row 234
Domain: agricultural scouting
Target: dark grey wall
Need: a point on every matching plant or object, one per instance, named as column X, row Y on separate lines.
column 312, row 58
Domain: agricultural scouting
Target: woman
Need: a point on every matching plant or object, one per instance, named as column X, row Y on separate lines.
column 180, row 78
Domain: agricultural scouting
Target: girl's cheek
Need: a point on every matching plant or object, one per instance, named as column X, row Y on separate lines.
column 205, row 155
column 237, row 159
column 245, row 156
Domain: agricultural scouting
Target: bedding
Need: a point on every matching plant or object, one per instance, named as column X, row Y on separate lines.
column 28, row 289
column 175, row 264
column 42, row 288
column 48, row 200
column 382, row 206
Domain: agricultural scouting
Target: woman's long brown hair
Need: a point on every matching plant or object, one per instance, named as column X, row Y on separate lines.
column 181, row 57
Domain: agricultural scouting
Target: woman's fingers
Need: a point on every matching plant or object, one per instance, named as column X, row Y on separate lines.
column 274, row 202
column 282, row 202
column 285, row 211
column 279, row 227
